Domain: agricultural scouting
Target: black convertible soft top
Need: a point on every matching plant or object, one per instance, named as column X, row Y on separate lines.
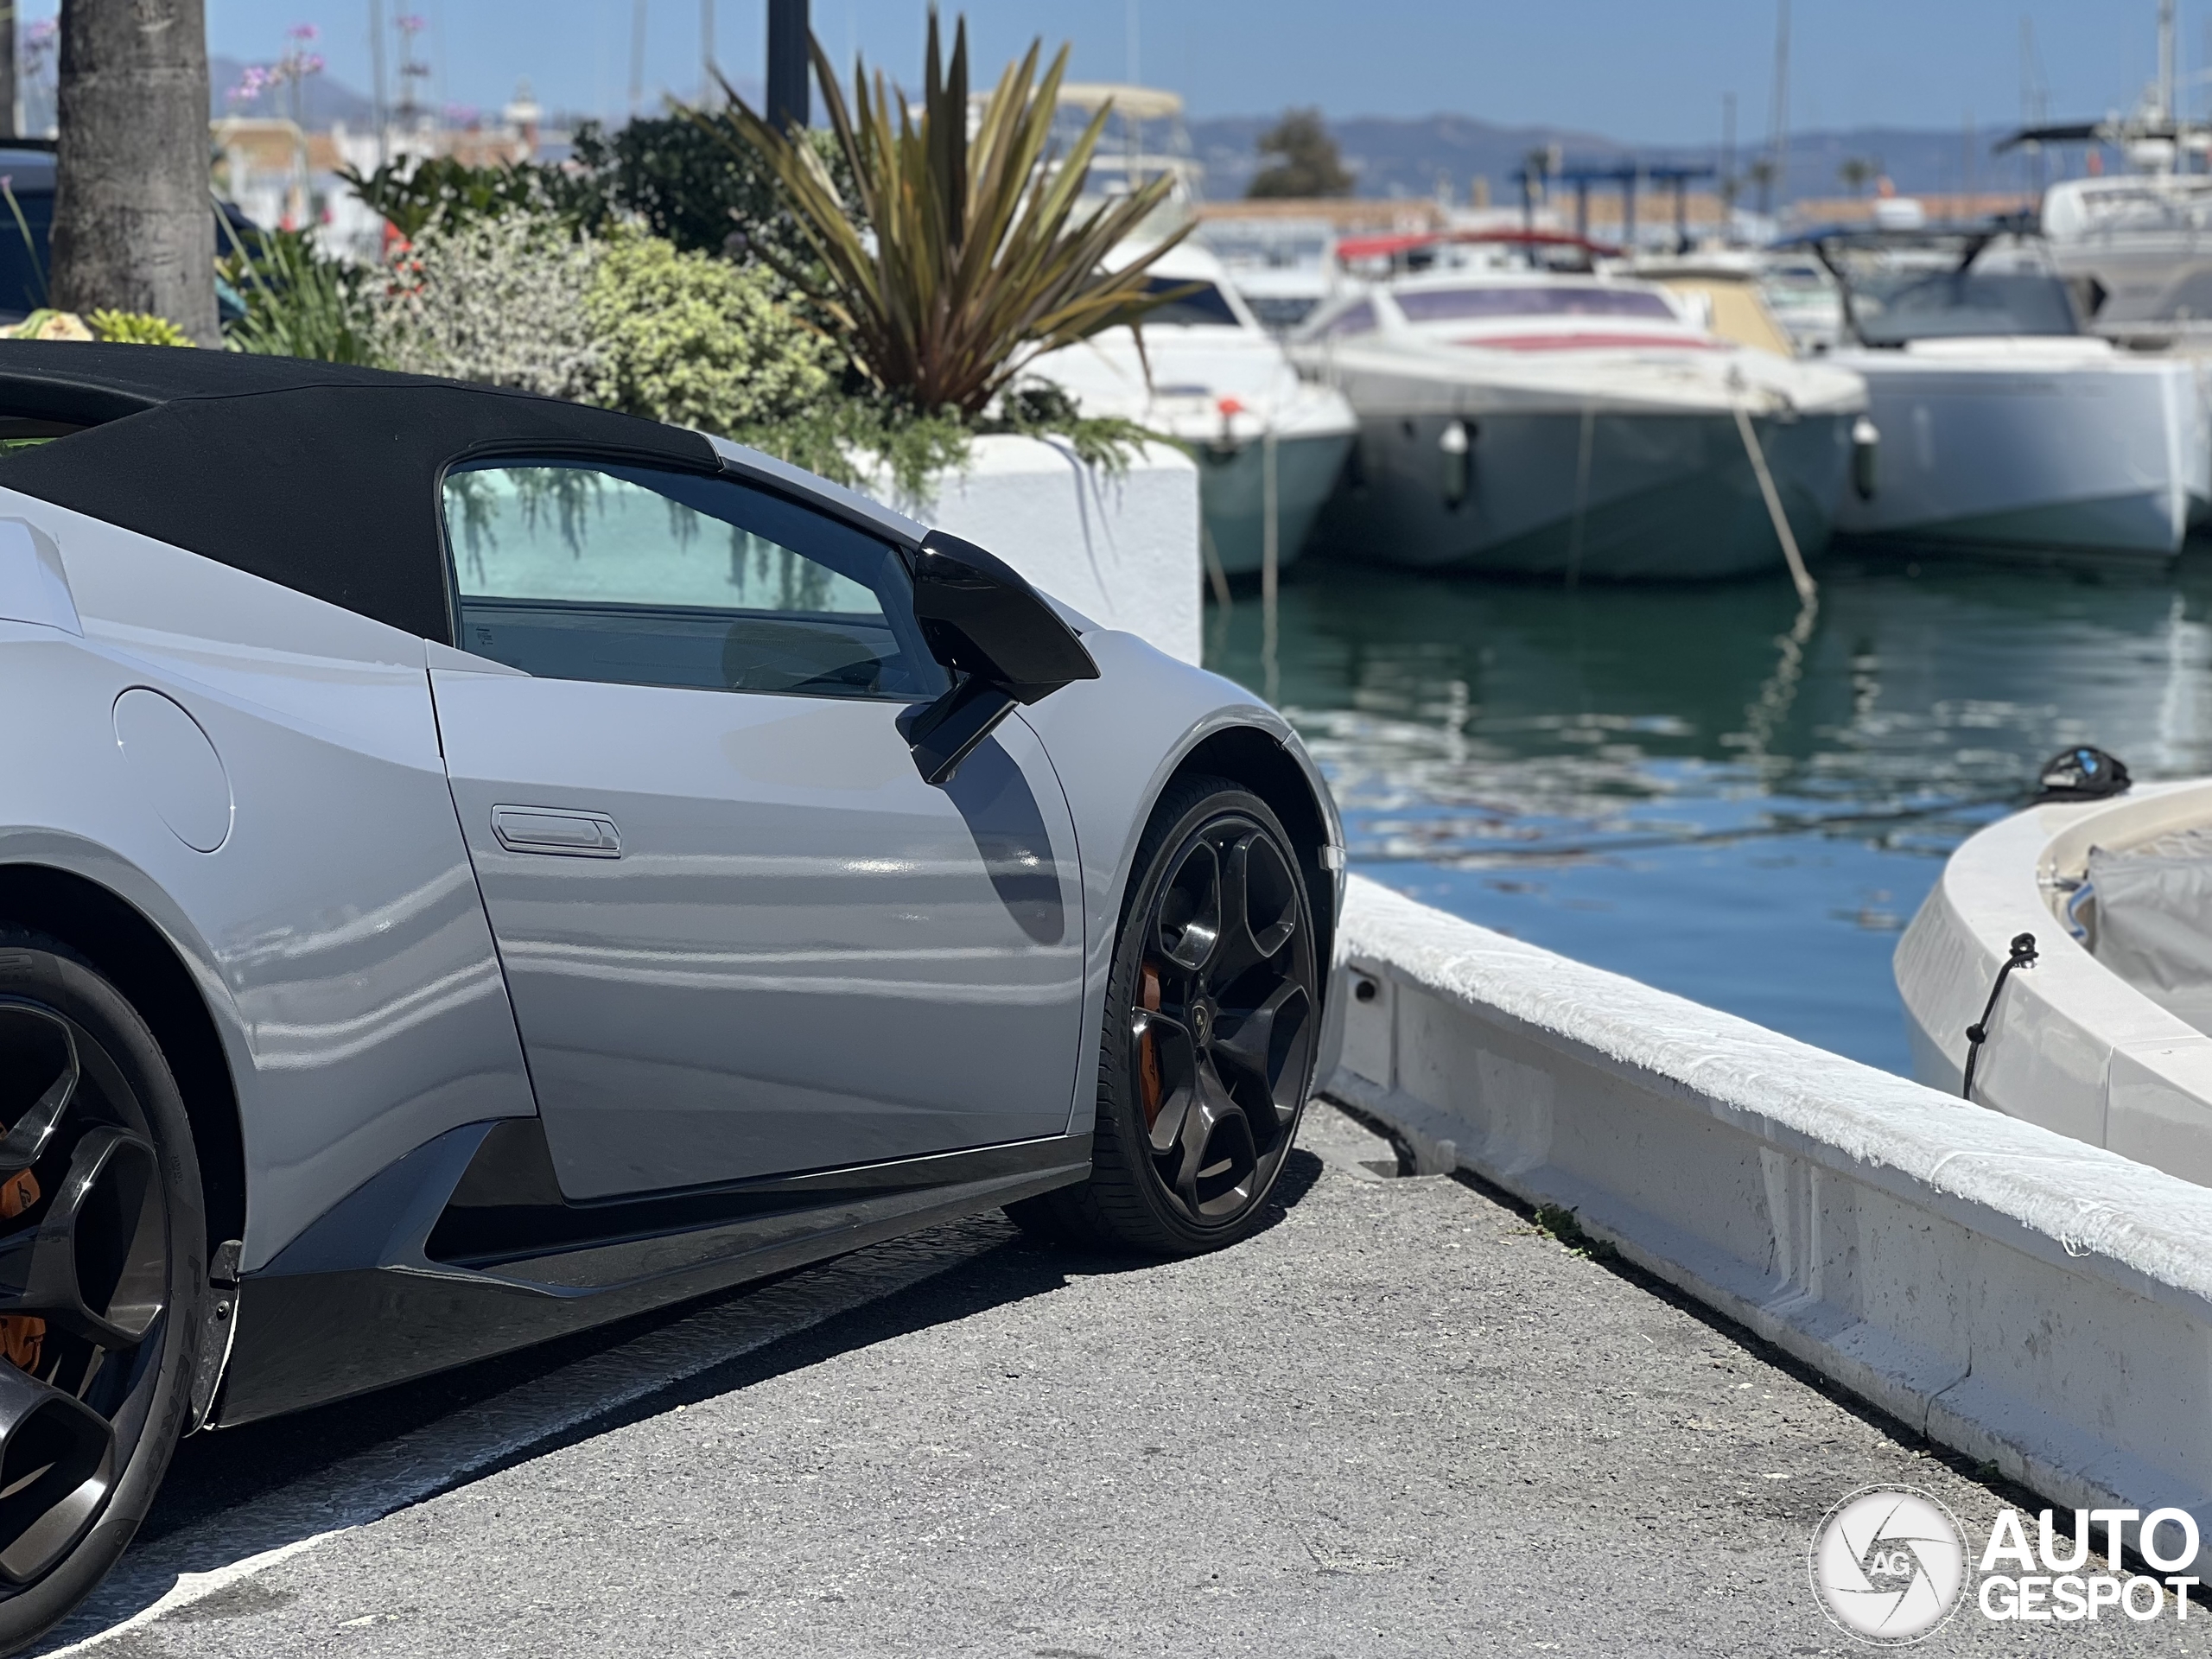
column 318, row 475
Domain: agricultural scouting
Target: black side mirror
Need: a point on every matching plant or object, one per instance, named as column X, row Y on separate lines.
column 1004, row 645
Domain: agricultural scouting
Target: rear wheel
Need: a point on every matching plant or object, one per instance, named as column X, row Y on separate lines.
column 1208, row 1046
column 102, row 1279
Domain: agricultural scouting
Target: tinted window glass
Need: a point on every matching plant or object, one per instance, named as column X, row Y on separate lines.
column 1453, row 304
column 1281, row 311
column 1205, row 306
column 1892, row 307
column 1359, row 319
column 660, row 578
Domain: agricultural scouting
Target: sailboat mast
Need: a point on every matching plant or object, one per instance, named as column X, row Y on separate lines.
column 1780, row 108
column 2166, row 111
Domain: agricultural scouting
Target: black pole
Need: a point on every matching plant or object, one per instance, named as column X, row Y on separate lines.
column 787, row 37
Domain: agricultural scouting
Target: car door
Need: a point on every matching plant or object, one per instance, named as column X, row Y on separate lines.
column 740, row 934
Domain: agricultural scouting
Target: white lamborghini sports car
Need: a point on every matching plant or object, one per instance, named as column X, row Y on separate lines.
column 473, row 868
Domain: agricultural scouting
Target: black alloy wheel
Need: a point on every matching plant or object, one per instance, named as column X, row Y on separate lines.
column 102, row 1279
column 1208, row 1047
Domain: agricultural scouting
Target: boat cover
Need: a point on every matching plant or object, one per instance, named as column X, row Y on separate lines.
column 2147, row 912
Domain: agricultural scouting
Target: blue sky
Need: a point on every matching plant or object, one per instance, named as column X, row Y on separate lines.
column 1653, row 71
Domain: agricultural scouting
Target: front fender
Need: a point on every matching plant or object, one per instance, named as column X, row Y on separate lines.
column 1115, row 743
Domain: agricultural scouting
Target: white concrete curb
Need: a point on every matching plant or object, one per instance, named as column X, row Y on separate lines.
column 2012, row 1293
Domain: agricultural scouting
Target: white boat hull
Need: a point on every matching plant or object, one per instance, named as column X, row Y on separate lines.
column 1614, row 495
column 2042, row 453
column 1232, row 496
column 2071, row 1045
column 1218, row 389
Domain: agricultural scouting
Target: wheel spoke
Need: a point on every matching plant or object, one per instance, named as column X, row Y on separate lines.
column 57, row 1460
column 94, row 1265
column 1176, row 1057
column 1189, row 926
column 52, row 1050
column 1259, row 1043
column 1258, row 911
column 1211, row 1108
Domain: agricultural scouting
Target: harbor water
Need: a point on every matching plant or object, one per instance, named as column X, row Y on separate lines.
column 1711, row 788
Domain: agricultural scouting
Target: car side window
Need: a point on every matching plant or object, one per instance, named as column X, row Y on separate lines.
column 645, row 576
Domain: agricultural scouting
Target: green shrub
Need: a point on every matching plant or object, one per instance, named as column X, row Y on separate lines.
column 692, row 180
column 696, row 342
column 438, row 192
column 136, row 329
column 298, row 303
column 501, row 301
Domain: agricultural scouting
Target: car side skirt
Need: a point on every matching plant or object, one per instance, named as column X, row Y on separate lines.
column 463, row 1249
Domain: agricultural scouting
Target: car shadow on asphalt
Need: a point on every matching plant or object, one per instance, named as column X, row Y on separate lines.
column 232, row 1468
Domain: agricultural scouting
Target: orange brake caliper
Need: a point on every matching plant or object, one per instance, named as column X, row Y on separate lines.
column 1148, row 1083
column 21, row 1335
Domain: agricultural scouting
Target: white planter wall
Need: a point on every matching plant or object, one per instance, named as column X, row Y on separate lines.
column 1123, row 550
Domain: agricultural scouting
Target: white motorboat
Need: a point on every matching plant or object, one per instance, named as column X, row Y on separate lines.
column 1220, row 384
column 1803, row 298
column 1281, row 295
column 2139, row 246
column 2106, row 1034
column 2006, row 428
column 1529, row 422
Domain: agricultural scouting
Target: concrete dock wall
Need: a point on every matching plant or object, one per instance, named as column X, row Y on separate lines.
column 2014, row 1294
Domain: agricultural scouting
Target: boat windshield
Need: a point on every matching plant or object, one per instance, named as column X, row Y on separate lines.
column 1203, row 305
column 1892, row 307
column 1528, row 299
column 1355, row 320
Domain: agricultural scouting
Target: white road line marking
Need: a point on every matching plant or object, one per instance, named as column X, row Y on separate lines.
column 215, row 1553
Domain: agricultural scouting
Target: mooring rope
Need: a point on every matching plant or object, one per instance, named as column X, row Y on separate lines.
column 1798, row 573
column 2023, row 956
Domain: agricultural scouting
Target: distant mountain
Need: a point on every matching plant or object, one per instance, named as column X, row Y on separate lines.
column 1406, row 157
column 1390, row 157
column 324, row 101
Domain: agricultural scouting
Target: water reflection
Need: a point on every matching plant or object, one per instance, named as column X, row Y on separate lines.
column 1706, row 787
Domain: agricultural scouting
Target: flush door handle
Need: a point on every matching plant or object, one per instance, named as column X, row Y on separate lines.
column 557, row 831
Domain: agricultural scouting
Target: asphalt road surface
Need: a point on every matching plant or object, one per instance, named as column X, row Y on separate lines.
column 1404, row 1420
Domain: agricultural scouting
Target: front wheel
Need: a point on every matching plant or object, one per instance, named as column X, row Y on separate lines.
column 102, row 1279
column 1207, row 1049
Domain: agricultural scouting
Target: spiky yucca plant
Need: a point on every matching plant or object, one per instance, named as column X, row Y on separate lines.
column 967, row 259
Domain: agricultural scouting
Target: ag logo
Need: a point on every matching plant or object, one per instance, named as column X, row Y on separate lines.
column 1888, row 1564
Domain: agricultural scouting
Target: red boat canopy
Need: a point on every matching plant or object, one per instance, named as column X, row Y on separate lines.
column 1389, row 247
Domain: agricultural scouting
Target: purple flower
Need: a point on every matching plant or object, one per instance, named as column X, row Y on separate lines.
column 304, row 32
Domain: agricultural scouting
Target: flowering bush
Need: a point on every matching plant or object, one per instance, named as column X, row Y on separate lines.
column 500, row 300
column 697, row 341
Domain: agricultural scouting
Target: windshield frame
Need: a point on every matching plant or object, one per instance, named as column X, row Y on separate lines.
column 2061, row 319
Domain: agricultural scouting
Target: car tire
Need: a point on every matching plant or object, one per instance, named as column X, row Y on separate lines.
column 1206, row 1052
column 105, row 1341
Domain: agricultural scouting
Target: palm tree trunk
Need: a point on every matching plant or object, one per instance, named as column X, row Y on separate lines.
column 134, row 224
column 9, row 24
